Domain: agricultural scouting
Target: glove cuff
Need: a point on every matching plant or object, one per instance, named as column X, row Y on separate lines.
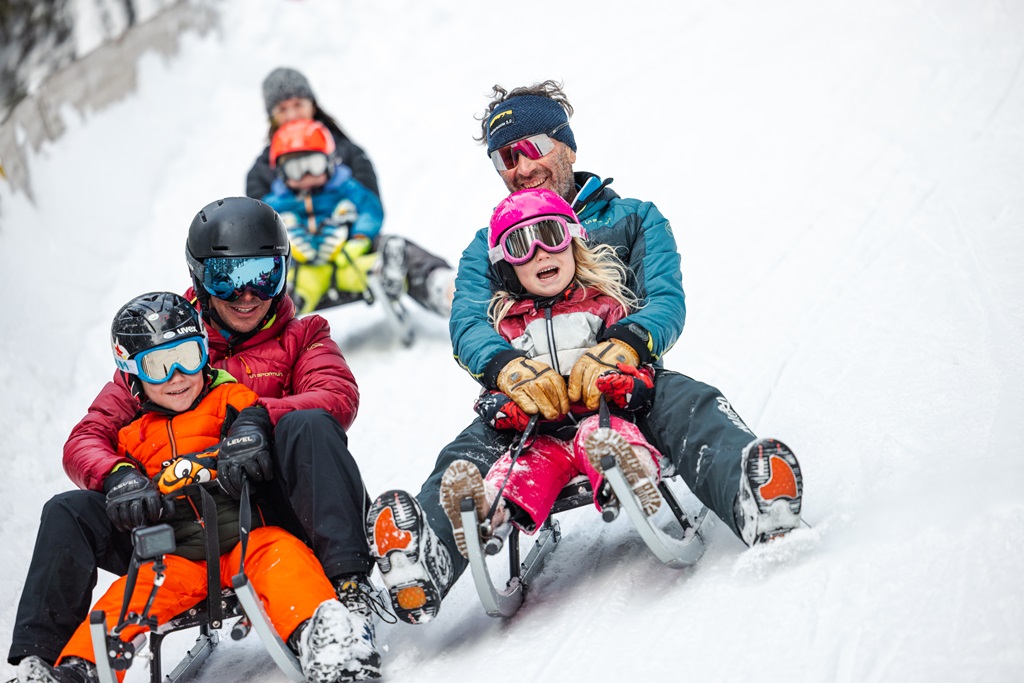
column 497, row 364
column 120, row 472
column 633, row 336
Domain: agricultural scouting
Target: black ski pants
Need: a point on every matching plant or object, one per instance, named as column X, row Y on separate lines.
column 317, row 494
column 690, row 422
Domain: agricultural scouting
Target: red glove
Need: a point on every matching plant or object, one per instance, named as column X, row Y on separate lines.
column 501, row 412
column 628, row 387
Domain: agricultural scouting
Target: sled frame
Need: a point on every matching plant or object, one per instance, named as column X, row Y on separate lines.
column 679, row 549
column 209, row 616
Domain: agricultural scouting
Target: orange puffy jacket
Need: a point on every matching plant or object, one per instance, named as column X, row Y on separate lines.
column 156, row 443
column 291, row 364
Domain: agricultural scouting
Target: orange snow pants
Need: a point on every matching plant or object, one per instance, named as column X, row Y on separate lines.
column 283, row 571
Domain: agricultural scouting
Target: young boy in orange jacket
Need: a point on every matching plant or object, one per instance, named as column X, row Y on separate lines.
column 199, row 424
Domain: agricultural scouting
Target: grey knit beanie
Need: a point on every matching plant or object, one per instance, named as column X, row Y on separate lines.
column 283, row 84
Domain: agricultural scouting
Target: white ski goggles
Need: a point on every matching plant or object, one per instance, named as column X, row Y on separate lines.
column 158, row 364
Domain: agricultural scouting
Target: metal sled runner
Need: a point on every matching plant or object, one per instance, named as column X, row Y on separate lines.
column 678, row 546
column 151, row 544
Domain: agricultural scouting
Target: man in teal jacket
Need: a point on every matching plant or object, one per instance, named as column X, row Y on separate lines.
column 726, row 466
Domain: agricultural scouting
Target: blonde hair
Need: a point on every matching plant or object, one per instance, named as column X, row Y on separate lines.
column 597, row 267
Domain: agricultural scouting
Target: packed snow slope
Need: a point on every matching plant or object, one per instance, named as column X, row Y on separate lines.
column 846, row 184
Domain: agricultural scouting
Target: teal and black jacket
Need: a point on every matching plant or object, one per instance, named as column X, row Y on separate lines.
column 643, row 239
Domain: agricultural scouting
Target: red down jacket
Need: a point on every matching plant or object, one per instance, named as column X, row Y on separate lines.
column 292, row 364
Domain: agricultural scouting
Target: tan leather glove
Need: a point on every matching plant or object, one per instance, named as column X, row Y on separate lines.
column 535, row 387
column 597, row 360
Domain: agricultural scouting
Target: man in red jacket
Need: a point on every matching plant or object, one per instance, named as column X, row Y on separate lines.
column 302, row 380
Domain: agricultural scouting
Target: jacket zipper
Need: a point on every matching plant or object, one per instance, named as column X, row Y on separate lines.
column 550, row 328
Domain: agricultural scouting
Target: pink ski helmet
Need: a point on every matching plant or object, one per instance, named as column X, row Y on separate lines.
column 525, row 208
column 525, row 205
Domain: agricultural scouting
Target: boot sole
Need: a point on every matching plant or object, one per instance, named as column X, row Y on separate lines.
column 773, row 484
column 462, row 480
column 604, row 441
column 394, row 527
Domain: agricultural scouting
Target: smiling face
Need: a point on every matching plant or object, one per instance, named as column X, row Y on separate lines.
column 176, row 394
column 552, row 171
column 292, row 109
column 243, row 314
column 547, row 274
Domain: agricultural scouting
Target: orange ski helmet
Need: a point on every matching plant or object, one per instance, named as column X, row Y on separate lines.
column 301, row 135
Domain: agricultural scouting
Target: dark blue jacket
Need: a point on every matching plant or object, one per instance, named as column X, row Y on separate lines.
column 643, row 239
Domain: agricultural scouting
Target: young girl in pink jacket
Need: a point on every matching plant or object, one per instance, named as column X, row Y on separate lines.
column 555, row 297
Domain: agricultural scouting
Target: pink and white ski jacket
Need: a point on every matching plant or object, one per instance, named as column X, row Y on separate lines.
column 574, row 320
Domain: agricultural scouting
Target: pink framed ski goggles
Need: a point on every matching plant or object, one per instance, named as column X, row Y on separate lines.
column 533, row 147
column 553, row 234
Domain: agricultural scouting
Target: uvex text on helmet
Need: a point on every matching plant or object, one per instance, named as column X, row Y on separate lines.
column 153, row 320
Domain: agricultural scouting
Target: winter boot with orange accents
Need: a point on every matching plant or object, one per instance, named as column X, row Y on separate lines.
column 414, row 566
column 771, row 492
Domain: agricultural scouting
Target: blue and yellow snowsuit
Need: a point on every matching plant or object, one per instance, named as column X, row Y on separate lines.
column 332, row 231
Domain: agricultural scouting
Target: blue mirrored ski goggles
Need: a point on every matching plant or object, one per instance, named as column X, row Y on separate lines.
column 227, row 278
column 158, row 364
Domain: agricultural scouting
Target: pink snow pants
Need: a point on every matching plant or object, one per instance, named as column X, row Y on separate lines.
column 544, row 468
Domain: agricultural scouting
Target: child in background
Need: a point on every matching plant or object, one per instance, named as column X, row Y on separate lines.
column 198, row 424
column 288, row 95
column 557, row 295
column 334, row 224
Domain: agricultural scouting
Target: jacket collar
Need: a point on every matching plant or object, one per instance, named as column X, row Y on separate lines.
column 592, row 195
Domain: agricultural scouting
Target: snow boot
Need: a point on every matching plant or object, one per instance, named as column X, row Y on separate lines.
column 440, row 290
column 641, row 476
column 333, row 646
column 415, row 568
column 771, row 492
column 71, row 670
column 462, row 480
column 364, row 604
column 392, row 266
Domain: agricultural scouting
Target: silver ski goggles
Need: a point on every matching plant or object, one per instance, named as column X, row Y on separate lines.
column 533, row 147
column 158, row 364
column 553, row 234
column 227, row 278
column 297, row 166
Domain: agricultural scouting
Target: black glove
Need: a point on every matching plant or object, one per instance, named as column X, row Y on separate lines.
column 245, row 451
column 133, row 500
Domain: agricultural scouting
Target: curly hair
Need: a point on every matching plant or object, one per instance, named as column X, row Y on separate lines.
column 597, row 267
column 549, row 88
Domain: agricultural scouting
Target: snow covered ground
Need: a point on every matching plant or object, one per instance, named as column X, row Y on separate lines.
column 846, row 184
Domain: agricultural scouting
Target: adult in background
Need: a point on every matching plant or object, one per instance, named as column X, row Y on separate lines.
column 403, row 265
column 752, row 484
column 288, row 97
column 236, row 252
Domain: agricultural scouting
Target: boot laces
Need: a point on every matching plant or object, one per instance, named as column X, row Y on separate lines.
column 359, row 597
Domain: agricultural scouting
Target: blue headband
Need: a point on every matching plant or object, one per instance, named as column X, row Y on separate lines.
column 526, row 115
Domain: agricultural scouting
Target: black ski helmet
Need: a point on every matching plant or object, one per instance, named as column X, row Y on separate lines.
column 149, row 321
column 233, row 226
